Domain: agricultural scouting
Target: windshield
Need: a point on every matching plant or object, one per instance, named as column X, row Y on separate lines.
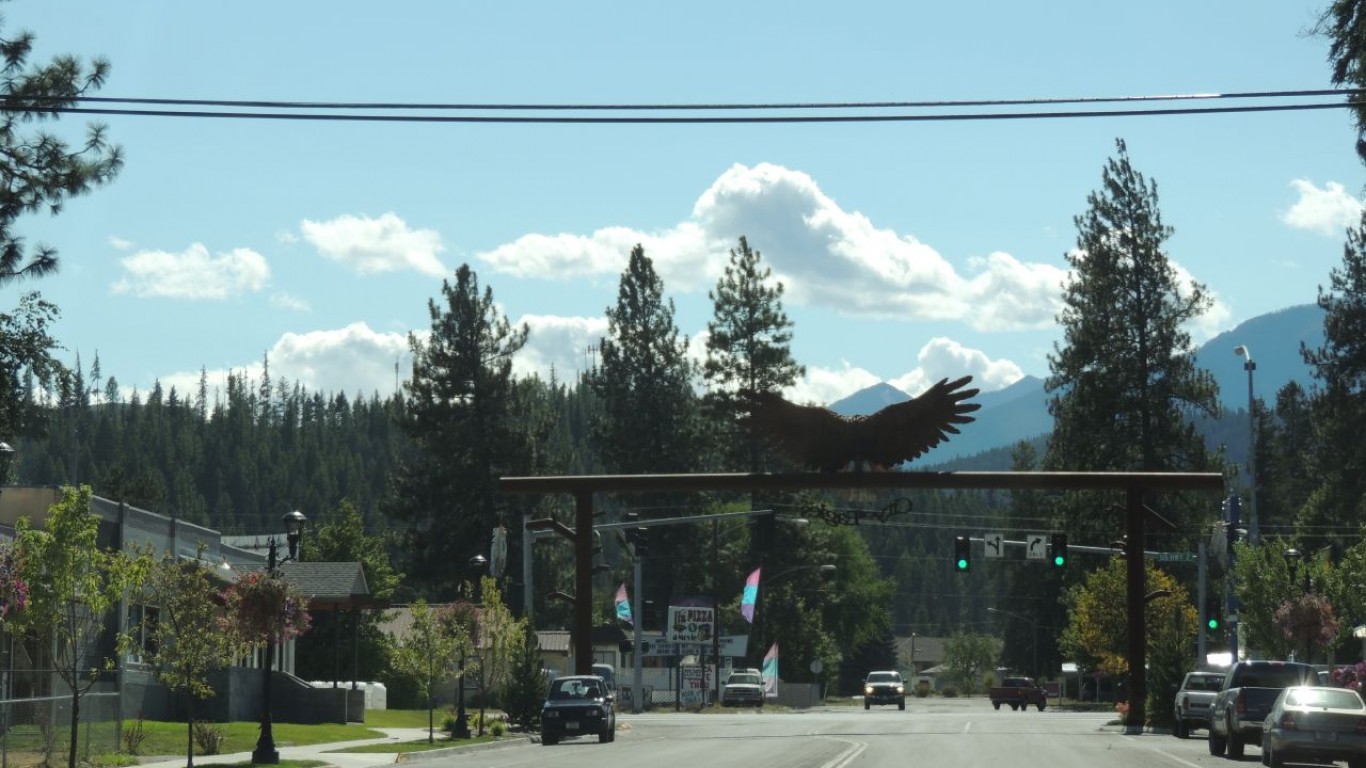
column 884, row 677
column 745, row 679
column 1336, row 698
column 575, row 688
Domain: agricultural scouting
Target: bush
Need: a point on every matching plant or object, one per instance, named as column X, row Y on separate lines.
column 208, row 737
column 949, row 692
column 922, row 689
column 498, row 728
column 133, row 736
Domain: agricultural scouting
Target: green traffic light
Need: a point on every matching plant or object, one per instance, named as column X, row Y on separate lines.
column 962, row 564
column 1059, row 560
column 1213, row 623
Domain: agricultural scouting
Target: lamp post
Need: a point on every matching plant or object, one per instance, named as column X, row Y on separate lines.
column 1249, row 365
column 462, row 723
column 1034, row 629
column 265, row 752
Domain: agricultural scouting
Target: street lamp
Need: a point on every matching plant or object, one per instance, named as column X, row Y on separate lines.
column 1249, row 365
column 1034, row 628
column 1292, row 558
column 265, row 752
column 462, row 723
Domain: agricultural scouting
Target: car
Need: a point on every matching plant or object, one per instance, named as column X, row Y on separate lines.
column 578, row 705
column 1313, row 723
column 743, row 689
column 884, row 687
column 1190, row 708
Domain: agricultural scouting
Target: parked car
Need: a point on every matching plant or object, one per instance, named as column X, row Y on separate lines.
column 884, row 688
column 1315, row 724
column 743, row 689
column 578, row 705
column 1191, row 707
column 1019, row 692
column 1239, row 709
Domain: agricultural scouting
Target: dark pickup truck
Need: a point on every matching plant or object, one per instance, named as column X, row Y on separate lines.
column 1019, row 693
column 1242, row 703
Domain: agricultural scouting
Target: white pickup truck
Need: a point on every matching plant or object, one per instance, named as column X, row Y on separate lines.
column 1190, row 710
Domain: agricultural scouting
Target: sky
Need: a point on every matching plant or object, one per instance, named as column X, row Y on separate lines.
column 910, row 251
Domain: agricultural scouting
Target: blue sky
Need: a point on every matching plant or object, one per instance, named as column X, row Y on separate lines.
column 910, row 251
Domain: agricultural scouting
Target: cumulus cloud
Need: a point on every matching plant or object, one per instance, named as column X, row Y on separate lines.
column 290, row 302
column 558, row 345
column 193, row 274
column 375, row 245
column 1327, row 211
column 943, row 358
column 120, row 244
column 826, row 256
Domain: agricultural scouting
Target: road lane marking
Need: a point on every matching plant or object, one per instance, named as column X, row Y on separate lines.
column 847, row 756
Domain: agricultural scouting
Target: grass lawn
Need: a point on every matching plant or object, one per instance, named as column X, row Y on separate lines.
column 441, row 742
column 405, row 718
column 163, row 738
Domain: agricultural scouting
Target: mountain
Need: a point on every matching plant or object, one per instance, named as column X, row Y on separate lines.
column 1020, row 411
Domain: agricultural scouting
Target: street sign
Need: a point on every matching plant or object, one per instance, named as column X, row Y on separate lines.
column 732, row 646
column 690, row 625
column 1176, row 557
column 994, row 544
column 1036, row 546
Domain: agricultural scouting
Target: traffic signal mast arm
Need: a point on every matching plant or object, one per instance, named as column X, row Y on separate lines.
column 1073, row 548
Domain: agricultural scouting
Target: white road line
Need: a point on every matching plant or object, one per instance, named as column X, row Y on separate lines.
column 855, row 749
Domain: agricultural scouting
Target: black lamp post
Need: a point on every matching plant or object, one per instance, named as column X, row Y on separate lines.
column 462, row 723
column 265, row 752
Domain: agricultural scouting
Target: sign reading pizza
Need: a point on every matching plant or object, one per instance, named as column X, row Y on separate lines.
column 690, row 625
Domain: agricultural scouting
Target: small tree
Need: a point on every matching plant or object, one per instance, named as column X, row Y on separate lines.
column 969, row 656
column 74, row 585
column 190, row 636
column 500, row 635
column 427, row 653
column 525, row 689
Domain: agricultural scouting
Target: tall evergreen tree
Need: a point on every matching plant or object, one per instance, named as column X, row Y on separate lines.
column 1123, row 384
column 649, row 418
column 460, row 420
column 1335, row 508
column 1344, row 23
column 749, row 340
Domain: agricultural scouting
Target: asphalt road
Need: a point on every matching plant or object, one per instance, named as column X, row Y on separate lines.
column 955, row 733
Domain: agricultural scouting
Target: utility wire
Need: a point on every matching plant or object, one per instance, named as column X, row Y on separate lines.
column 817, row 105
column 681, row 120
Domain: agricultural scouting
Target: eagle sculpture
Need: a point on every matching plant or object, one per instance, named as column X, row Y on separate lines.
column 820, row 439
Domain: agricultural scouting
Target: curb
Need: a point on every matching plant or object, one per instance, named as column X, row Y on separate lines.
column 433, row 754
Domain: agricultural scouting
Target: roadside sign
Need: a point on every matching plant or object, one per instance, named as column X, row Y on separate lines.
column 690, row 625
column 994, row 544
column 694, row 686
column 1036, row 547
column 1176, row 557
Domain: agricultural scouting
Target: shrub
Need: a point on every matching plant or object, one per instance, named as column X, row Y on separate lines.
column 922, row 689
column 208, row 737
column 498, row 728
column 133, row 736
column 949, row 692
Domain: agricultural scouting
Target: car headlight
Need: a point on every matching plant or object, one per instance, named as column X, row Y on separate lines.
column 900, row 689
column 867, row 690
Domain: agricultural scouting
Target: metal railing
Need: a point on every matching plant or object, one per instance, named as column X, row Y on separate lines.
column 37, row 731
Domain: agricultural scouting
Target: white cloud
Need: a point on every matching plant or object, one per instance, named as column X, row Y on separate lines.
column 193, row 274
column 292, row 303
column 374, row 245
column 1327, row 211
column 943, row 358
column 120, row 244
column 559, row 345
column 825, row 256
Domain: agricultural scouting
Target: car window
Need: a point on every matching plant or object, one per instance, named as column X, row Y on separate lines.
column 1336, row 698
column 883, row 677
column 1278, row 677
column 743, row 680
column 1204, row 682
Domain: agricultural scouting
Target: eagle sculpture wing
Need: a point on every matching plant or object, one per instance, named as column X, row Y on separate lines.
column 818, row 438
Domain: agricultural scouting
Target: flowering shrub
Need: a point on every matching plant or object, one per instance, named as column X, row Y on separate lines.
column 1122, row 707
column 1307, row 619
column 263, row 607
column 13, row 589
column 1350, row 677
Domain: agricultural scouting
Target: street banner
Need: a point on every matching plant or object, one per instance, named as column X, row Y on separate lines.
column 769, row 673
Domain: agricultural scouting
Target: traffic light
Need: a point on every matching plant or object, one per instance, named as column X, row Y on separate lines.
column 635, row 535
column 1213, row 605
column 962, row 553
column 1059, row 549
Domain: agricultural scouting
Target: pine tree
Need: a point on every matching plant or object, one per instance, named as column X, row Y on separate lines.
column 1344, row 23
column 41, row 170
column 1338, row 412
column 1123, row 384
column 461, row 422
column 748, row 340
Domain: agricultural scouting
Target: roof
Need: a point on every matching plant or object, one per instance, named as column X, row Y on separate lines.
column 334, row 585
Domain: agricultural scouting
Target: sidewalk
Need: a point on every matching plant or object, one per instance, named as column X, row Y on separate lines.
column 325, row 752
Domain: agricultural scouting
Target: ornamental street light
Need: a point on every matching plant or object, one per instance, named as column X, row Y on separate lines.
column 265, row 752
column 1249, row 365
column 462, row 723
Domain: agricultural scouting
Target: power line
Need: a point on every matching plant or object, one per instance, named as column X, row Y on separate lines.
column 683, row 120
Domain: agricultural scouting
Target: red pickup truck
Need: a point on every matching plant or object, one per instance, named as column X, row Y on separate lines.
column 1019, row 693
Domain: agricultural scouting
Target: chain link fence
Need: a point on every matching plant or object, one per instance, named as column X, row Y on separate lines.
column 37, row 731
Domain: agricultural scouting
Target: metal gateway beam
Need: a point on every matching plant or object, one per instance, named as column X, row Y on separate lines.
column 1133, row 484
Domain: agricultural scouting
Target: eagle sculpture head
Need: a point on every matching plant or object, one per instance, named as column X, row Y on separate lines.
column 820, row 439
